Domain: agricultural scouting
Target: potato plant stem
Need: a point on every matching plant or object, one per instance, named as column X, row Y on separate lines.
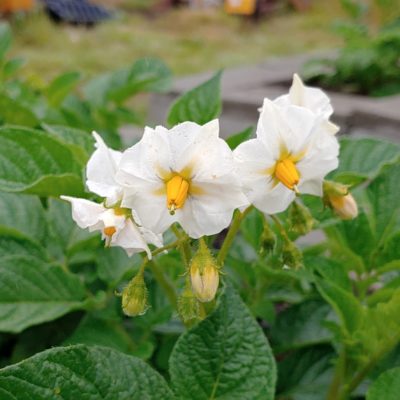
column 233, row 230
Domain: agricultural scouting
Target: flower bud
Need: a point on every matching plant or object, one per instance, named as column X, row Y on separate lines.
column 291, row 254
column 268, row 239
column 134, row 296
column 188, row 306
column 332, row 188
column 344, row 206
column 204, row 274
column 300, row 219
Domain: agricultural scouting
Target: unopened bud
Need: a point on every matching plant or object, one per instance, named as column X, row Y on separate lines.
column 344, row 206
column 134, row 296
column 268, row 239
column 291, row 255
column 204, row 274
column 188, row 306
column 300, row 219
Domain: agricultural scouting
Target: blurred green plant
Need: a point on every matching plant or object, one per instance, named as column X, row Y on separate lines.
column 368, row 63
column 332, row 319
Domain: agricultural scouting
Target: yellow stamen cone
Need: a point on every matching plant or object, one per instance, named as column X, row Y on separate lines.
column 177, row 192
column 286, row 172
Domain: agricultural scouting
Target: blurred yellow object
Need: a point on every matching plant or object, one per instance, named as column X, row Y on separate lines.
column 9, row 6
column 241, row 7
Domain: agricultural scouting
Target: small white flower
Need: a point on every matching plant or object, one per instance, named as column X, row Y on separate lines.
column 117, row 226
column 100, row 172
column 314, row 99
column 291, row 154
column 183, row 175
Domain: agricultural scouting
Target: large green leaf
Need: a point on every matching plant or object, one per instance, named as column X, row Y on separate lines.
column 84, row 373
column 226, row 356
column 364, row 158
column 32, row 292
column 201, row 104
column 32, row 161
column 383, row 195
column 13, row 111
column 14, row 244
column 386, row 387
column 24, row 214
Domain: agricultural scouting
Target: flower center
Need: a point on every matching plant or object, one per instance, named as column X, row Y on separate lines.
column 109, row 230
column 177, row 192
column 287, row 173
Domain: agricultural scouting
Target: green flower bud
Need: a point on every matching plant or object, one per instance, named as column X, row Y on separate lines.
column 300, row 219
column 334, row 188
column 267, row 240
column 134, row 296
column 188, row 306
column 291, row 254
column 204, row 274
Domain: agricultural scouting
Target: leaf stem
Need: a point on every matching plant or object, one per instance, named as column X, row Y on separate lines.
column 233, row 230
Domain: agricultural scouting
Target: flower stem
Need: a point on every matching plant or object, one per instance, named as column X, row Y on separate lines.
column 233, row 230
column 164, row 282
column 184, row 246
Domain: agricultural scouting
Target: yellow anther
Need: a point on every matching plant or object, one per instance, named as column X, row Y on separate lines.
column 177, row 192
column 286, row 172
column 109, row 230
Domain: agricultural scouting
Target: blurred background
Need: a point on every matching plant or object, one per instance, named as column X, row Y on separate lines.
column 346, row 46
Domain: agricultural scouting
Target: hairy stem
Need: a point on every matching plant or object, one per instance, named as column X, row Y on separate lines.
column 233, row 230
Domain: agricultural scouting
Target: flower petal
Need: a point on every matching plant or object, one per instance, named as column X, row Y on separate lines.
column 101, row 169
column 84, row 212
column 130, row 239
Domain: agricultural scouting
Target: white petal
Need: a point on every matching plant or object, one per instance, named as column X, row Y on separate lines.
column 276, row 200
column 197, row 220
column 130, row 238
column 84, row 212
column 101, row 169
column 151, row 208
column 312, row 186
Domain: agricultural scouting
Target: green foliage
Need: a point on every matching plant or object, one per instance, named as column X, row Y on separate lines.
column 201, row 104
column 367, row 63
column 387, row 386
column 225, row 356
column 82, row 372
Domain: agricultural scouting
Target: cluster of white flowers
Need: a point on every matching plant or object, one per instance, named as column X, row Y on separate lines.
column 189, row 175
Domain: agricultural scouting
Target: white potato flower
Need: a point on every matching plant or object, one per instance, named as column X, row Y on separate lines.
column 119, row 226
column 291, row 154
column 184, row 174
column 314, row 99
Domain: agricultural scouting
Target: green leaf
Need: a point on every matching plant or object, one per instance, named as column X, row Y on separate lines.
column 12, row 66
column 24, row 214
column 32, row 292
column 102, row 332
column 305, row 374
column 84, row 373
column 5, row 39
column 145, row 75
column 226, row 356
column 61, row 87
column 346, row 305
column 14, row 244
column 201, row 104
column 364, row 158
column 301, row 325
column 81, row 142
column 113, row 263
column 31, row 161
column 14, row 112
column 383, row 196
column 386, row 387
column 234, row 140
